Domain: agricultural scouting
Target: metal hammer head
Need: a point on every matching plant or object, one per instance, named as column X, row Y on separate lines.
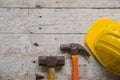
column 51, row 61
column 73, row 48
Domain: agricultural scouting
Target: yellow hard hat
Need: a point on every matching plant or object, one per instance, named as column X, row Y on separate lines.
column 103, row 40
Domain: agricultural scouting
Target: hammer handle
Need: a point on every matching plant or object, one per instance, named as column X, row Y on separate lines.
column 51, row 73
column 75, row 67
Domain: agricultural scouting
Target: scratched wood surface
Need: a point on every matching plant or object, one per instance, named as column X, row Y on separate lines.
column 32, row 28
column 52, row 20
column 61, row 3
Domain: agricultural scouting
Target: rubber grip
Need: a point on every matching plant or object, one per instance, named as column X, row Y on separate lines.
column 75, row 67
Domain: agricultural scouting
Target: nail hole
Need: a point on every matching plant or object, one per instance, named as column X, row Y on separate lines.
column 36, row 44
column 40, row 28
column 37, row 6
column 84, row 65
column 30, row 32
column 39, row 77
column 34, row 61
column 40, row 16
column 55, row 38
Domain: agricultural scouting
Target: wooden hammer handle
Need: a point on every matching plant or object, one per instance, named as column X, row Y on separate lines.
column 51, row 73
column 75, row 67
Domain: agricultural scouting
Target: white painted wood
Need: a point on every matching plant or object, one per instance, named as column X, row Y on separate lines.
column 18, row 52
column 52, row 20
column 79, row 3
column 17, row 3
column 49, row 27
column 61, row 3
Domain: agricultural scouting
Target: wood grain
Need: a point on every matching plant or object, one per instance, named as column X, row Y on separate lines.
column 60, row 3
column 52, row 20
column 32, row 28
column 19, row 58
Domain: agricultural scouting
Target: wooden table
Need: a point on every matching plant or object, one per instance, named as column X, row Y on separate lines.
column 32, row 28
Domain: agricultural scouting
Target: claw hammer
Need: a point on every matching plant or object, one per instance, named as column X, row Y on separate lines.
column 74, row 49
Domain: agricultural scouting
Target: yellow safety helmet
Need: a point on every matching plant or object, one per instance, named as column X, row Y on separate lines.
column 103, row 40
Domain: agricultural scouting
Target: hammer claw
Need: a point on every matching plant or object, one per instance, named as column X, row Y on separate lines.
column 84, row 50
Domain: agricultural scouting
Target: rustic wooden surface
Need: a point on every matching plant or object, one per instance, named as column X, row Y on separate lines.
column 61, row 3
column 49, row 23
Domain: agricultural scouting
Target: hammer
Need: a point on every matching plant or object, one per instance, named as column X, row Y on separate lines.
column 74, row 49
column 51, row 62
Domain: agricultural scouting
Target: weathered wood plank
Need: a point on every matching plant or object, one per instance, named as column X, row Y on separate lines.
column 17, row 3
column 52, row 20
column 61, row 3
column 19, row 55
column 79, row 3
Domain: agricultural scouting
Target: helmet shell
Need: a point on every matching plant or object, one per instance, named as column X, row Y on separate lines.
column 103, row 40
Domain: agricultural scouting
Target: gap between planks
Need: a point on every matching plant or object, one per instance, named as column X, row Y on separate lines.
column 61, row 7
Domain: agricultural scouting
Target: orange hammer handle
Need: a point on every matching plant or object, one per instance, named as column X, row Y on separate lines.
column 75, row 67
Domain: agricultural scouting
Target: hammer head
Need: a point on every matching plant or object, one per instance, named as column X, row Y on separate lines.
column 73, row 48
column 51, row 61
